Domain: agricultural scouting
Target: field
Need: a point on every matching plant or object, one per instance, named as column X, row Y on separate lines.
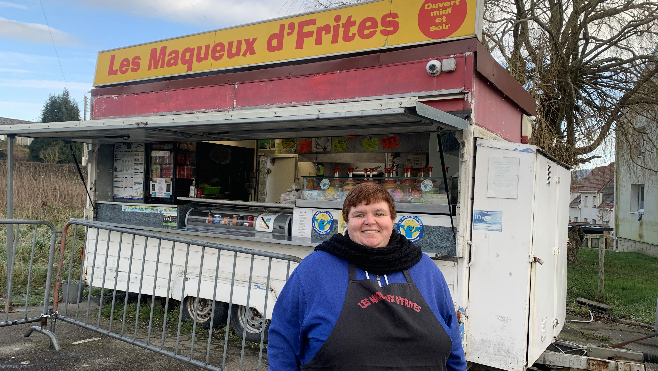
column 631, row 284
column 51, row 192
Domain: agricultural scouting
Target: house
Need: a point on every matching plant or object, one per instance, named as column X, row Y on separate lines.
column 593, row 197
column 636, row 201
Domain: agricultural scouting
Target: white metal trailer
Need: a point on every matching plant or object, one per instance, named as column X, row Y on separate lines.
column 508, row 278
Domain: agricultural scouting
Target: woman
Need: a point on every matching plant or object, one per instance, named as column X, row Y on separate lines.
column 368, row 300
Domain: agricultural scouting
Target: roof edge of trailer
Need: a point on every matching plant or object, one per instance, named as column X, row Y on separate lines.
column 405, row 112
column 488, row 67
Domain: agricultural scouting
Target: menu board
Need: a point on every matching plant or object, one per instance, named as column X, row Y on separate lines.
column 128, row 171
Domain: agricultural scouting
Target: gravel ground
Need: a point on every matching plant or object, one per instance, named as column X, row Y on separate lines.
column 86, row 349
column 604, row 332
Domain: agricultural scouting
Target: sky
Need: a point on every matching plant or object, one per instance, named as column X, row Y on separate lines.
column 49, row 45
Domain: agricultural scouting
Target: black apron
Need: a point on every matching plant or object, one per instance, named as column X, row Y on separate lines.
column 384, row 328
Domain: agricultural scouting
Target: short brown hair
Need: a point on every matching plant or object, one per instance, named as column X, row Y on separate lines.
column 367, row 193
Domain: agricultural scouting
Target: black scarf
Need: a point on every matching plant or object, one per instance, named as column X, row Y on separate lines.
column 399, row 254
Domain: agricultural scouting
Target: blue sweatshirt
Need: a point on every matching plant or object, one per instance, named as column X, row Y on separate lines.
column 310, row 303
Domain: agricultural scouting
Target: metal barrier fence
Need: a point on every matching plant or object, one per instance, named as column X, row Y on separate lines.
column 24, row 245
column 169, row 294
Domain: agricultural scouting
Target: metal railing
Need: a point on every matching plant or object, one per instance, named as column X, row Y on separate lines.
column 25, row 242
column 170, row 294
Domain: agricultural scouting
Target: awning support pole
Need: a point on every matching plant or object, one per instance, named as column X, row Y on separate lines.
column 10, row 215
column 445, row 184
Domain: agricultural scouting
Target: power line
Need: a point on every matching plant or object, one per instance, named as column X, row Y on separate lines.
column 204, row 16
column 54, row 47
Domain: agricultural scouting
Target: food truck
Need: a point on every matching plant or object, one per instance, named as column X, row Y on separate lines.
column 251, row 136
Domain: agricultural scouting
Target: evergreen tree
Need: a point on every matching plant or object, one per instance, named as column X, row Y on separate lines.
column 58, row 108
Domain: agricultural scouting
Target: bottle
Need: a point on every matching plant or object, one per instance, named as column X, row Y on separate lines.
column 193, row 189
column 319, row 170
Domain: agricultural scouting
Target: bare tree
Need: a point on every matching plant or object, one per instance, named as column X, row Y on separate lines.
column 588, row 63
column 313, row 5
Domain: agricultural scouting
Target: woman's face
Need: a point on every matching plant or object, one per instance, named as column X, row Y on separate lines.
column 370, row 225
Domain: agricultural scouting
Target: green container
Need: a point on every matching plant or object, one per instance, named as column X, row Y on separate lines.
column 210, row 190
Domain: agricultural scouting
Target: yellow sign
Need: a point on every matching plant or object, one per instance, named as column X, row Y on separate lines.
column 368, row 26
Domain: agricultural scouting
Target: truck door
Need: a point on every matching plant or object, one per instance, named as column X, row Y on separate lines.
column 499, row 286
column 517, row 288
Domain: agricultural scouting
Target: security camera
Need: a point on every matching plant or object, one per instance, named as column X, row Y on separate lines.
column 433, row 68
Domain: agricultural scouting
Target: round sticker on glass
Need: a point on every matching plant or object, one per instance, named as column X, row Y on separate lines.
column 322, row 222
column 411, row 227
column 426, row 185
column 324, row 184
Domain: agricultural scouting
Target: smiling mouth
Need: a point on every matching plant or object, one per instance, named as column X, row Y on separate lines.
column 369, row 232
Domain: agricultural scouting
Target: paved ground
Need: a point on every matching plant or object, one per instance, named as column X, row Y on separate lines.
column 85, row 349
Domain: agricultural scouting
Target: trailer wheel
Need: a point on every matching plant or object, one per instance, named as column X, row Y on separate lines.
column 254, row 323
column 204, row 312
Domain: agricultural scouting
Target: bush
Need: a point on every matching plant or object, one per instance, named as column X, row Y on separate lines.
column 53, row 151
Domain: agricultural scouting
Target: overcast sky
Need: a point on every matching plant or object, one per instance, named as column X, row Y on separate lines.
column 32, row 68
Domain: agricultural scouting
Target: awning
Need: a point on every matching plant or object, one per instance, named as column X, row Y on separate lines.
column 384, row 116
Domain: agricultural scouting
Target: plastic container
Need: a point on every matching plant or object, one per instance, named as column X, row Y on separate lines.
column 210, row 190
column 72, row 291
column 416, row 194
column 406, row 186
column 335, row 190
column 392, row 187
column 389, row 184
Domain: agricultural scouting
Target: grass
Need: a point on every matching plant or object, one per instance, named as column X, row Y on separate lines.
column 592, row 336
column 630, row 282
column 23, row 255
column 144, row 312
column 129, row 311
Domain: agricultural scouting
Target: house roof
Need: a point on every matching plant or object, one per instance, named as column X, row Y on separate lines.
column 596, row 179
column 8, row 121
column 575, row 202
column 608, row 202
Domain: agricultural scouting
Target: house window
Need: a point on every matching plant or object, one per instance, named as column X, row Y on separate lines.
column 606, row 222
column 593, row 221
column 575, row 219
column 585, row 244
column 585, row 220
column 595, row 243
column 586, row 201
column 637, row 197
column 642, row 148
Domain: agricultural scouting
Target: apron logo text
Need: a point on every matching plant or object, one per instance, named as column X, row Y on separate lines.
column 378, row 296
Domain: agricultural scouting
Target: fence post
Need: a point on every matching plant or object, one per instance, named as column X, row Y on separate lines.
column 601, row 290
column 10, row 215
column 655, row 326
